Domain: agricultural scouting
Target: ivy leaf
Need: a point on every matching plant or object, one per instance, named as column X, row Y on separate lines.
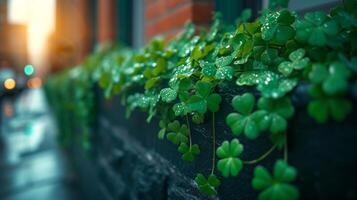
column 188, row 153
column 276, row 186
column 298, row 62
column 229, row 163
column 168, row 95
column 246, row 121
column 278, row 111
column 178, row 134
column 207, row 185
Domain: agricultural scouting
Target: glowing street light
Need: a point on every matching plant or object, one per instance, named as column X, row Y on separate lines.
column 9, row 84
column 29, row 70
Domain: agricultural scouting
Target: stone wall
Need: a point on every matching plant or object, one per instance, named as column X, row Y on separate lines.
column 128, row 161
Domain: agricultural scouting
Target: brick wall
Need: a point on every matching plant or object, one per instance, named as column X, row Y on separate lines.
column 106, row 21
column 168, row 17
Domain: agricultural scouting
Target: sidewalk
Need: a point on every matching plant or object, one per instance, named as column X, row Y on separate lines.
column 32, row 166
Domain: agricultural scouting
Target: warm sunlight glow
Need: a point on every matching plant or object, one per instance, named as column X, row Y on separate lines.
column 39, row 16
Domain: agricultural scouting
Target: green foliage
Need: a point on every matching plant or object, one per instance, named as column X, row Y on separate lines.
column 229, row 163
column 298, row 62
column 177, row 133
column 279, row 111
column 276, row 186
column 276, row 26
column 245, row 120
column 203, row 99
column 316, row 28
column 187, row 79
column 207, row 185
column 333, row 78
column 322, row 106
column 188, row 153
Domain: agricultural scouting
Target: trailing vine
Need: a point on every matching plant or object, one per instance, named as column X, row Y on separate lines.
column 178, row 84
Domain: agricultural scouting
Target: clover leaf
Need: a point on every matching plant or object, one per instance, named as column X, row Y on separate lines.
column 229, row 163
column 204, row 99
column 276, row 26
column 270, row 84
column 333, row 78
column 198, row 118
column 246, row 121
column 207, row 185
column 177, row 133
column 274, row 86
column 220, row 70
column 168, row 95
column 279, row 110
column 276, row 186
column 298, row 62
column 188, row 153
column 163, row 129
column 316, row 28
column 322, row 106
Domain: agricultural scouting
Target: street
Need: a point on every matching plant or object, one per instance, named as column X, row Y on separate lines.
column 32, row 165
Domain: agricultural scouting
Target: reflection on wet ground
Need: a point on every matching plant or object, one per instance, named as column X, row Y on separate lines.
column 32, row 166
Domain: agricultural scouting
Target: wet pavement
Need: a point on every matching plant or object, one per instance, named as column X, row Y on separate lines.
column 32, row 166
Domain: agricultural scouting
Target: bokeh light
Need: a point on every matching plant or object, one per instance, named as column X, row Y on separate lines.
column 35, row 82
column 9, row 84
column 29, row 70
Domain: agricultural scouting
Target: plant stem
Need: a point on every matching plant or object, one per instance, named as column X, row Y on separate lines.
column 213, row 142
column 189, row 131
column 286, row 148
column 262, row 157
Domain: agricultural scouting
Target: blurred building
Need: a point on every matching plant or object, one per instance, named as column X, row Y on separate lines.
column 82, row 24
column 13, row 40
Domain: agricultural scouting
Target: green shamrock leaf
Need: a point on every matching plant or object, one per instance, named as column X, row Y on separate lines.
column 246, row 121
column 333, row 78
column 177, row 133
column 208, row 185
column 203, row 99
column 276, row 87
column 270, row 57
column 208, row 69
column 276, row 186
column 316, row 28
column 270, row 84
column 188, row 153
column 222, row 70
column 162, row 131
column 168, row 95
column 276, row 26
column 198, row 118
column 229, row 163
column 322, row 106
column 298, row 62
column 278, row 111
